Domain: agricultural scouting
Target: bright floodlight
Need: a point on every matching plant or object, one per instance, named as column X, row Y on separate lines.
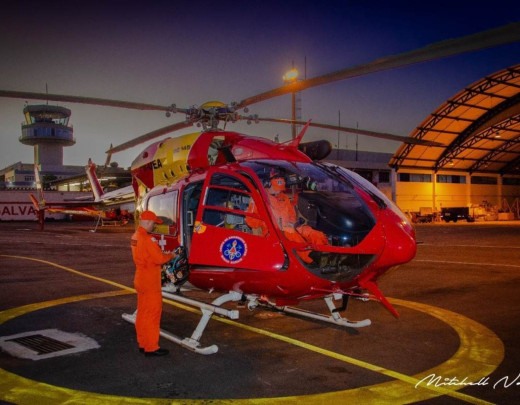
column 291, row 75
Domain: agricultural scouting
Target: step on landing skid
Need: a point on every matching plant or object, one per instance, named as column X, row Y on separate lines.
column 192, row 343
column 334, row 317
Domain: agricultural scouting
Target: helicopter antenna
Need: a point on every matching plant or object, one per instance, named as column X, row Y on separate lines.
column 339, row 125
column 357, row 138
column 109, row 156
column 296, row 141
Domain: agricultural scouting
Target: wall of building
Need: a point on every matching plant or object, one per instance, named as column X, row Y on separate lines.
column 511, row 193
column 417, row 189
column 413, row 190
column 485, row 193
column 15, row 205
column 452, row 195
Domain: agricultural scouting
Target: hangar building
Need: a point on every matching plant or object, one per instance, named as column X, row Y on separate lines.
column 479, row 164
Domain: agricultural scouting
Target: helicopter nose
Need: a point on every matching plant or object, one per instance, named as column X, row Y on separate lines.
column 401, row 245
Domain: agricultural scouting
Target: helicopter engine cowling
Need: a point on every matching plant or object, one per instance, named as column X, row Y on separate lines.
column 317, row 150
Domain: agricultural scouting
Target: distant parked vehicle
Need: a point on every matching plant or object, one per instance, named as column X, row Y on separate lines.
column 456, row 213
column 425, row 214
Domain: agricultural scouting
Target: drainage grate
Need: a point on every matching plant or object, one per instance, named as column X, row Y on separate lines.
column 41, row 344
column 46, row 343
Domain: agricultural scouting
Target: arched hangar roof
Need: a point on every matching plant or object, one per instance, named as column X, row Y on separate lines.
column 479, row 129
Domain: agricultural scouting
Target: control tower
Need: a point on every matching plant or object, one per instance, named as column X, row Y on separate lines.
column 46, row 128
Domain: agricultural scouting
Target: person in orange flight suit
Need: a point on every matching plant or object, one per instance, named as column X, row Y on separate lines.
column 148, row 258
column 286, row 218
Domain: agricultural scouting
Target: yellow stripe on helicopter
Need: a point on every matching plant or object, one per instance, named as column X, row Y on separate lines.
column 171, row 157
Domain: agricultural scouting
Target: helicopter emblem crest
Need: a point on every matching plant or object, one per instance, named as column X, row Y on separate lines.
column 233, row 249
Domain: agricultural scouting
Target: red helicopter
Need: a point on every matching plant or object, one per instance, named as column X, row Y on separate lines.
column 205, row 204
column 265, row 223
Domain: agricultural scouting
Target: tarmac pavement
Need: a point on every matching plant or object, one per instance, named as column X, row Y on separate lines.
column 456, row 340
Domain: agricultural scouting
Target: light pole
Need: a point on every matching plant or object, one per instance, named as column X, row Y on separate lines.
column 290, row 77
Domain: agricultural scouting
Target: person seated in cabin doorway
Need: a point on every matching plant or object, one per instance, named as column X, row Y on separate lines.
column 286, row 218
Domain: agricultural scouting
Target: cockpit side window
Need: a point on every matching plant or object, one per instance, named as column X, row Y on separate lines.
column 328, row 208
column 165, row 207
column 225, row 180
column 227, row 203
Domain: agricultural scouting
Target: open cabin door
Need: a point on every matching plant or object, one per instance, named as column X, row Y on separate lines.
column 191, row 196
column 232, row 228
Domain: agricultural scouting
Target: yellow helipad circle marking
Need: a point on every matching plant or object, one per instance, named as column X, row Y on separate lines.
column 479, row 354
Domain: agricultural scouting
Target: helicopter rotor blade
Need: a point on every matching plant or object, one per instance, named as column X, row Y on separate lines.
column 486, row 39
column 498, row 36
column 84, row 100
column 373, row 134
column 149, row 136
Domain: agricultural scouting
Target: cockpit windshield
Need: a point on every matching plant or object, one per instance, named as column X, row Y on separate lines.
column 312, row 204
column 369, row 188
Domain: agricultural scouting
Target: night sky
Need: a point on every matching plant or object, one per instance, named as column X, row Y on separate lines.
column 189, row 52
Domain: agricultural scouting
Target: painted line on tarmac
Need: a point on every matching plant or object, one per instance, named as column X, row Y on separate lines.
column 470, row 246
column 12, row 313
column 70, row 270
column 54, row 243
column 479, row 354
column 469, row 263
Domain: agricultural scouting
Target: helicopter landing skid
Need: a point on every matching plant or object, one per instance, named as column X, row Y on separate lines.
column 334, row 317
column 192, row 343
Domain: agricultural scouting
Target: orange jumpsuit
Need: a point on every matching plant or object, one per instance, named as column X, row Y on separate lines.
column 257, row 225
column 285, row 217
column 148, row 258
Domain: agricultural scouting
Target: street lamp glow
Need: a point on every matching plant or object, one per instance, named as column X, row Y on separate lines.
column 291, row 76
